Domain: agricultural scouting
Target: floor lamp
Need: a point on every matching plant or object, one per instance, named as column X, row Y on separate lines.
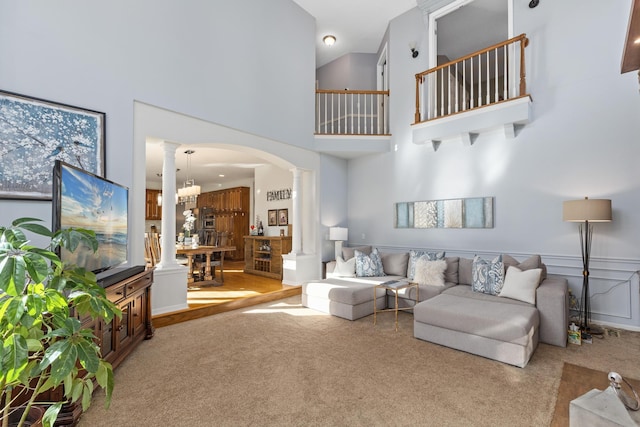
column 586, row 212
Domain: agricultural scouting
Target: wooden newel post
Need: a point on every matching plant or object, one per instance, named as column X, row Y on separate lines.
column 524, row 42
column 417, row 115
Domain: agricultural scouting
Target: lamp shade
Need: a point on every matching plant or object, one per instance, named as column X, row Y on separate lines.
column 592, row 210
column 338, row 233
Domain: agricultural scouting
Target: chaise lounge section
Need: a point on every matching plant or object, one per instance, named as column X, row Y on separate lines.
column 506, row 326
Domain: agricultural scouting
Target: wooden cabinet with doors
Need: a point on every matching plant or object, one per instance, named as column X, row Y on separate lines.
column 152, row 210
column 229, row 200
column 120, row 337
column 263, row 255
column 117, row 339
column 231, row 209
column 235, row 225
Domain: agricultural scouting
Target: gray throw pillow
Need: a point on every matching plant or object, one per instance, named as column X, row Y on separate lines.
column 451, row 273
column 464, row 271
column 348, row 253
column 395, row 264
column 534, row 261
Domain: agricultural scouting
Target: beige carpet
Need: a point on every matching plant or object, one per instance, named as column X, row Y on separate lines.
column 282, row 364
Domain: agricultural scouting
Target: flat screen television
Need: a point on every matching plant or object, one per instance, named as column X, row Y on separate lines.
column 84, row 200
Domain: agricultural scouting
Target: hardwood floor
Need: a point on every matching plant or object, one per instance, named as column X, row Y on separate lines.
column 239, row 290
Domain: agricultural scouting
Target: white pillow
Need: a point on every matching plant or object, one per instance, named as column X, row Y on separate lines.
column 430, row 272
column 521, row 285
column 345, row 268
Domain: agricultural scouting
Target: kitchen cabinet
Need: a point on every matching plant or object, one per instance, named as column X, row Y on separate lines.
column 230, row 208
column 152, row 210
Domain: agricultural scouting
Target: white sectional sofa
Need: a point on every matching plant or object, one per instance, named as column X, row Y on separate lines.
column 454, row 312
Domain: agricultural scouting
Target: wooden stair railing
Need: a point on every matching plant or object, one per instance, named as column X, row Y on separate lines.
column 482, row 78
column 352, row 112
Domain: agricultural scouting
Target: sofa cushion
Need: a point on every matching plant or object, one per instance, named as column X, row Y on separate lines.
column 488, row 318
column 534, row 261
column 451, row 273
column 345, row 268
column 368, row 265
column 466, row 292
column 350, row 291
column 430, row 272
column 348, row 253
column 521, row 285
column 413, row 258
column 465, row 275
column 395, row 264
column 488, row 276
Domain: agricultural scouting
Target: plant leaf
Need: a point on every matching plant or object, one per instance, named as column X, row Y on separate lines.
column 88, row 355
column 15, row 357
column 51, row 414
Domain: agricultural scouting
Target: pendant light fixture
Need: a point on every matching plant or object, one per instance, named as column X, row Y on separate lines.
column 190, row 191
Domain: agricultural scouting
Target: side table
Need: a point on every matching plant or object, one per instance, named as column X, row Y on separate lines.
column 394, row 286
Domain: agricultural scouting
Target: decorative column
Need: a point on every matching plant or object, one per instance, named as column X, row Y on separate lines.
column 296, row 195
column 168, row 256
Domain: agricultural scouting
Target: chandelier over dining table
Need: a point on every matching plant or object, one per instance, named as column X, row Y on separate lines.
column 190, row 191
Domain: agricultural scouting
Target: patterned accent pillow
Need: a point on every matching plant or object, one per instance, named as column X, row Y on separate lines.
column 413, row 259
column 368, row 265
column 488, row 276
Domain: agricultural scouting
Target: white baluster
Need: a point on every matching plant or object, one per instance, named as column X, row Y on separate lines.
column 488, row 82
column 495, row 83
column 346, row 116
column 505, row 92
column 464, row 86
column 325, row 114
column 472, row 103
column 351, row 113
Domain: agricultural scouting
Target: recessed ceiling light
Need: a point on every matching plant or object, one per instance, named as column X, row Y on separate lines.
column 329, row 40
column 221, row 175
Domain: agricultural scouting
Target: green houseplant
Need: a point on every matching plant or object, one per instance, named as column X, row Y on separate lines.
column 41, row 301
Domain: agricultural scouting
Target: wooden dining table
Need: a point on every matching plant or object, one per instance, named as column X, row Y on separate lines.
column 208, row 252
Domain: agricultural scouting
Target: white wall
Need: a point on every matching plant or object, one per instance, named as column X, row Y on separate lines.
column 216, row 69
column 582, row 142
column 353, row 71
column 333, row 200
column 224, row 62
column 271, row 178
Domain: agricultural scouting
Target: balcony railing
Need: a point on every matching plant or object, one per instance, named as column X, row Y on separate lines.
column 482, row 78
column 352, row 112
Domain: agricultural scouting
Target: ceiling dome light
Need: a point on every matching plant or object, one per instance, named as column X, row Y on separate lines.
column 329, row 40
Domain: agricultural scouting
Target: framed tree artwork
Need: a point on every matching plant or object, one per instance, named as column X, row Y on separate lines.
column 283, row 216
column 272, row 217
column 34, row 133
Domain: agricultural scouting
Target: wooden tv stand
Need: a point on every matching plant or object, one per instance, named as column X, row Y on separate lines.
column 118, row 338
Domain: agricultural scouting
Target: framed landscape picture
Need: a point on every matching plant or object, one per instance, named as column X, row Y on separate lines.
column 283, row 216
column 273, row 217
column 34, row 133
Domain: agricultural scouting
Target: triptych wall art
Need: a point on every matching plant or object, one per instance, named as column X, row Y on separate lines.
column 474, row 212
column 34, row 133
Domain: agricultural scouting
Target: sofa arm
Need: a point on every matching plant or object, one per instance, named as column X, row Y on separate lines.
column 331, row 266
column 552, row 301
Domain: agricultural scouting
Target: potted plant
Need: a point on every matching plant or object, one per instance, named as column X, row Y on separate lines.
column 41, row 301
